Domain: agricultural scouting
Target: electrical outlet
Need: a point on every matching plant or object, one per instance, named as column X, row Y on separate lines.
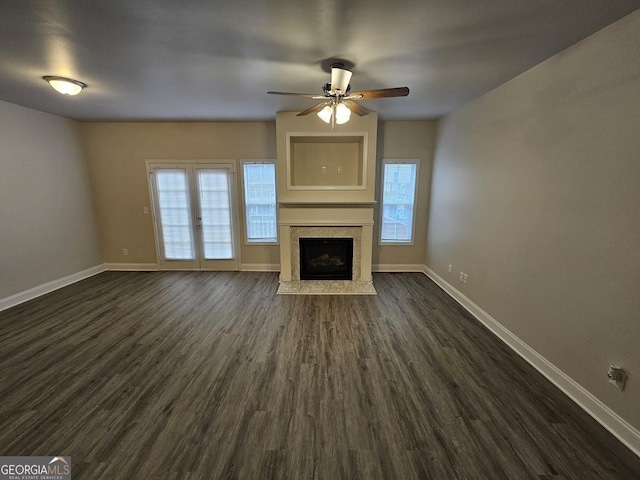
column 125, row 251
column 450, row 268
column 145, row 210
column 465, row 279
column 617, row 376
column 461, row 277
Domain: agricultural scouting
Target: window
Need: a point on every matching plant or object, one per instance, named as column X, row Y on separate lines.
column 260, row 202
column 398, row 201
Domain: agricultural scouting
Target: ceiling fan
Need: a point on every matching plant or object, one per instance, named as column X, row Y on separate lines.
column 338, row 100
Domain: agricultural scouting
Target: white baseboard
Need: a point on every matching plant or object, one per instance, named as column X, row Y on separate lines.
column 152, row 267
column 132, row 267
column 397, row 267
column 260, row 267
column 275, row 267
column 263, row 267
column 48, row 287
column 614, row 423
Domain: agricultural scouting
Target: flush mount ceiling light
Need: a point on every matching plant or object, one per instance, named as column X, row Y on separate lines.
column 65, row 86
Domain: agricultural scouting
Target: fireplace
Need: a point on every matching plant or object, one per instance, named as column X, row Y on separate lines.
column 311, row 222
column 326, row 258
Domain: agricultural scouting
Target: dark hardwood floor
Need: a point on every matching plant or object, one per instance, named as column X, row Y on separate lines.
column 213, row 376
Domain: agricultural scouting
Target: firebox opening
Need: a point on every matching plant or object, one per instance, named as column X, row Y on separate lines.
column 326, row 258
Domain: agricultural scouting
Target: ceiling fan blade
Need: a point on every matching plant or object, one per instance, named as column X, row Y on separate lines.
column 382, row 93
column 314, row 109
column 357, row 108
column 309, row 95
column 340, row 79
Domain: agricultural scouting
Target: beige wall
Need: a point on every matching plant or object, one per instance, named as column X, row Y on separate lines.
column 324, row 163
column 536, row 195
column 406, row 140
column 117, row 153
column 47, row 224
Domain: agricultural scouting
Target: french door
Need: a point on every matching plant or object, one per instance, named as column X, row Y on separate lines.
column 194, row 206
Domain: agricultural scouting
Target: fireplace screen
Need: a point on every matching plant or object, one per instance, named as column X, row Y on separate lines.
column 326, row 258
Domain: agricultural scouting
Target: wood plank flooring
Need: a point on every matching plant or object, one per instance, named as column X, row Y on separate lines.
column 194, row 375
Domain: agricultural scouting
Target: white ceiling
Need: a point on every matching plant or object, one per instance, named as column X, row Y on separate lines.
column 215, row 60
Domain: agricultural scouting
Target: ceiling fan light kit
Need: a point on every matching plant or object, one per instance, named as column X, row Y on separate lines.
column 325, row 113
column 339, row 102
column 342, row 113
column 65, row 86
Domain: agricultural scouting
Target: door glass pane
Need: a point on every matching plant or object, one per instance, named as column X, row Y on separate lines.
column 215, row 210
column 175, row 214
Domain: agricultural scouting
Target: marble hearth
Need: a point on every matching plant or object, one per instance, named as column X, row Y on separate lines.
column 326, row 221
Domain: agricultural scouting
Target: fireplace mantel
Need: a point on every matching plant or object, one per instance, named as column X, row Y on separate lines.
column 311, row 221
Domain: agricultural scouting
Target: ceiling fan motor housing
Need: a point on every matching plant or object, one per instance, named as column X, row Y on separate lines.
column 326, row 88
column 340, row 79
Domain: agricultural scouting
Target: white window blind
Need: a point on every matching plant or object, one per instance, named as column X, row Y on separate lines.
column 175, row 213
column 260, row 202
column 215, row 210
column 398, row 202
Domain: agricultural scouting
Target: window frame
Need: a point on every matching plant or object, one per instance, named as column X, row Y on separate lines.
column 399, row 161
column 243, row 182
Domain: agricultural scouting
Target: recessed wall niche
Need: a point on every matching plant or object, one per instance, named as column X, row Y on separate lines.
column 323, row 166
column 326, row 162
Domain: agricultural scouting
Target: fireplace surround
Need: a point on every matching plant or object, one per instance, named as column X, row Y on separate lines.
column 325, row 221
